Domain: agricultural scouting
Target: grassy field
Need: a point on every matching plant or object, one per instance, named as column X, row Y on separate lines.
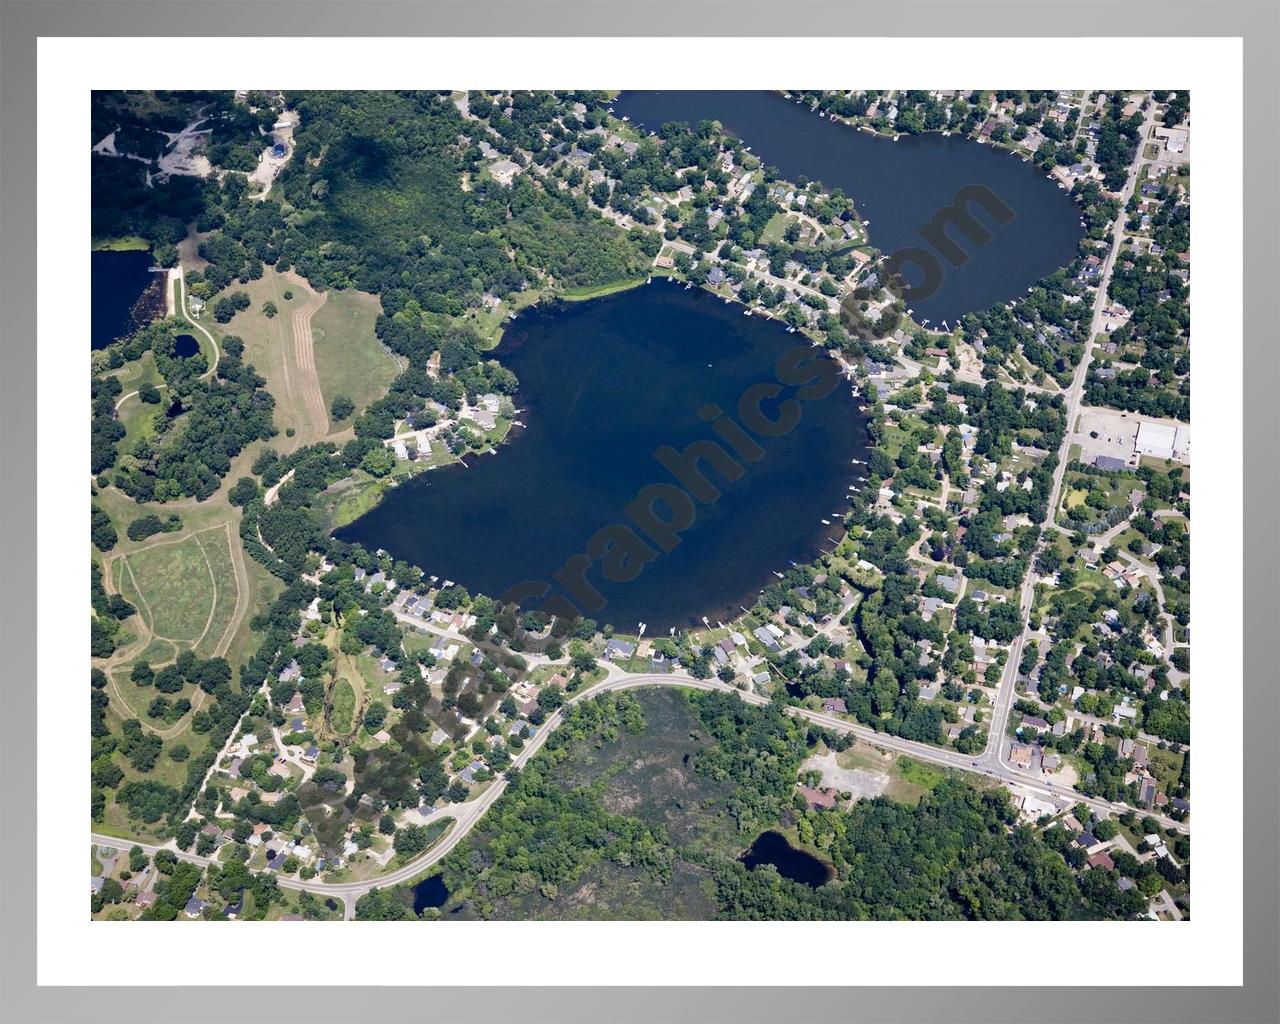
column 173, row 589
column 129, row 243
column 778, row 224
column 581, row 294
column 344, row 356
column 342, row 715
column 270, row 346
column 185, row 590
column 349, row 358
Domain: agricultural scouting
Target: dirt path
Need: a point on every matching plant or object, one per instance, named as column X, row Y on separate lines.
column 307, row 384
column 146, row 634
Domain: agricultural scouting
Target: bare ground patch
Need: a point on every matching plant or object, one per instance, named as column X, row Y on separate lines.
column 863, row 783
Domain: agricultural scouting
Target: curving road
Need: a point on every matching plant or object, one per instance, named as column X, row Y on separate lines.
column 467, row 815
column 179, row 281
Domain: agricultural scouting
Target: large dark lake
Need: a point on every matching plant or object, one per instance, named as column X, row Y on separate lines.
column 118, row 280
column 898, row 187
column 603, row 385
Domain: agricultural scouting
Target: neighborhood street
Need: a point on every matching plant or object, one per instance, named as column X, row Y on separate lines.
column 995, row 753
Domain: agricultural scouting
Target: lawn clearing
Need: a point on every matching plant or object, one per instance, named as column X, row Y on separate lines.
column 174, row 589
column 185, row 590
column 343, row 707
column 270, row 345
column 349, row 359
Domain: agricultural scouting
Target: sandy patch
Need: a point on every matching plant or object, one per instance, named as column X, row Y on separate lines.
column 863, row 783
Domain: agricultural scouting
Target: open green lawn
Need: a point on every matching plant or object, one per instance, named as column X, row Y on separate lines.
column 342, row 716
column 125, row 244
column 349, row 358
column 172, row 587
column 773, row 231
column 596, row 291
column 269, row 345
column 415, row 642
column 185, row 591
column 214, row 544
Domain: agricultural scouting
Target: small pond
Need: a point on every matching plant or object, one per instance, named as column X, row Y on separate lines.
column 430, row 892
column 186, row 346
column 797, row 865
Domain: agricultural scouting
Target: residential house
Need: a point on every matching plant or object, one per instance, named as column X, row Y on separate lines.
column 818, row 799
column 616, row 648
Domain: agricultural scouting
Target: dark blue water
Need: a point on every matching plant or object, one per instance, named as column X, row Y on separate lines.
column 797, row 865
column 898, row 187
column 430, row 892
column 185, row 345
column 118, row 280
column 603, row 385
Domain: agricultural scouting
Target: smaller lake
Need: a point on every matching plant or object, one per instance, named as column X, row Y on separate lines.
column 118, row 280
column 797, row 865
column 430, row 892
column 899, row 187
column 186, row 346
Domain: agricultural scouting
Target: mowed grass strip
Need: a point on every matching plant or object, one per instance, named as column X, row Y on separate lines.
column 342, row 716
column 214, row 543
column 348, row 356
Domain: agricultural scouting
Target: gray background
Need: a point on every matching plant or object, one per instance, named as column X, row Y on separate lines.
column 1258, row 1000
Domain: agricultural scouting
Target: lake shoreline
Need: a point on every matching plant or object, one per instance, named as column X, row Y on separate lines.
column 384, row 525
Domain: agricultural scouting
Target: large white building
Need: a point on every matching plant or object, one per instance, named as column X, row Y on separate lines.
column 1164, row 441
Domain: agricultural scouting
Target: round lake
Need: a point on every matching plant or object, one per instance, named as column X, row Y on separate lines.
column 899, row 187
column 610, row 396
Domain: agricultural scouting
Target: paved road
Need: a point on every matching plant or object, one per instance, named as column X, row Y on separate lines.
column 994, row 754
column 468, row 814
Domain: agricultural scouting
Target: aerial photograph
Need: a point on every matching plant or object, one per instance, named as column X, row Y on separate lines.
column 519, row 505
